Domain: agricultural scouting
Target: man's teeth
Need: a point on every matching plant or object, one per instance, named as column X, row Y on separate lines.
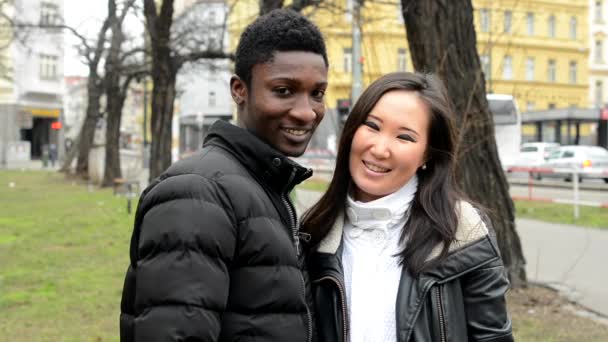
column 376, row 168
column 295, row 131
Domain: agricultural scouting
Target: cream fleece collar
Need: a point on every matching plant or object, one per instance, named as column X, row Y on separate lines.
column 470, row 228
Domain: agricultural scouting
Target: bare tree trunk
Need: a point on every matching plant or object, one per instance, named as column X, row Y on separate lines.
column 87, row 132
column 163, row 77
column 442, row 39
column 94, row 91
column 268, row 5
column 115, row 98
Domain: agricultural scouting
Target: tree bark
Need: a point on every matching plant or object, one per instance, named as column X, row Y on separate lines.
column 94, row 92
column 115, row 97
column 268, row 5
column 163, row 90
column 442, row 40
column 87, row 132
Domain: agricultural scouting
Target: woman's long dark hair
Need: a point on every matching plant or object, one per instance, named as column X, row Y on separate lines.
column 433, row 220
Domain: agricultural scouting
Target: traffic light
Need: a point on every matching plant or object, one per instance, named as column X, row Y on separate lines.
column 343, row 108
column 56, row 125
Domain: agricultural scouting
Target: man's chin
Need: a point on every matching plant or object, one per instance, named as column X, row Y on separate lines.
column 293, row 152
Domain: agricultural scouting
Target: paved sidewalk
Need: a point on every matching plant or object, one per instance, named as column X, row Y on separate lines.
column 569, row 258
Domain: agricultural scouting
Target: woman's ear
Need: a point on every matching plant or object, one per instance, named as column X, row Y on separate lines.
column 238, row 90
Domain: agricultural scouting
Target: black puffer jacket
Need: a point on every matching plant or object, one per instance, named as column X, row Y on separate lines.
column 213, row 252
column 462, row 299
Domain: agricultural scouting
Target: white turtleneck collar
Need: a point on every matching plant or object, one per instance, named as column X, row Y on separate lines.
column 383, row 212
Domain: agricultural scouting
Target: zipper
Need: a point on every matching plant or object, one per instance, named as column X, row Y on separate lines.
column 441, row 314
column 342, row 301
column 294, row 229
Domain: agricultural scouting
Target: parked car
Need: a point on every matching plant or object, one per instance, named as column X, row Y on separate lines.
column 589, row 161
column 533, row 154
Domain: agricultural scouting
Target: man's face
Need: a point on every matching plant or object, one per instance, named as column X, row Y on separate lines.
column 285, row 102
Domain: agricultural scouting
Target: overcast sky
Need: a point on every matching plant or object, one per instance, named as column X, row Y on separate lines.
column 87, row 17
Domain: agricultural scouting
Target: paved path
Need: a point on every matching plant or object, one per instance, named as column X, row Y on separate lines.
column 570, row 258
column 567, row 257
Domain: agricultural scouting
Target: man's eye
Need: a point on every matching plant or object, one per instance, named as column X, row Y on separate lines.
column 282, row 91
column 318, row 94
column 371, row 125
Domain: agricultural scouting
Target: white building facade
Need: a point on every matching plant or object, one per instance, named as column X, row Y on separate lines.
column 32, row 104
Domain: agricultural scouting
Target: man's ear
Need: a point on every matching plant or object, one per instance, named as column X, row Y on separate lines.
column 238, row 90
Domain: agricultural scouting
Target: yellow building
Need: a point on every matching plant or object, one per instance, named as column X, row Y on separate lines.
column 384, row 44
column 536, row 50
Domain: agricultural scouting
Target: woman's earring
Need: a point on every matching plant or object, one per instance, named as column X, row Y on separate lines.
column 424, row 166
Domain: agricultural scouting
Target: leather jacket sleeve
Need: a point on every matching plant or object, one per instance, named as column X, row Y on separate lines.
column 485, row 304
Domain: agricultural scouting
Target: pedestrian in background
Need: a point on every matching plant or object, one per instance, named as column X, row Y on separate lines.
column 52, row 154
column 215, row 252
column 400, row 254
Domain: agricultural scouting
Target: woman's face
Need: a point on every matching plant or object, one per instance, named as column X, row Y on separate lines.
column 390, row 146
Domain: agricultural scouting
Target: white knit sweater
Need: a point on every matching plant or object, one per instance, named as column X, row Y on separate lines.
column 371, row 270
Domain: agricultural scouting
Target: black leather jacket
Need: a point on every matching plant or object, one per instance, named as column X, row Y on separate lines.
column 461, row 299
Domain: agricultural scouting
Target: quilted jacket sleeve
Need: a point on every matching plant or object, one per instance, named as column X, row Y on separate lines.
column 177, row 284
column 484, row 293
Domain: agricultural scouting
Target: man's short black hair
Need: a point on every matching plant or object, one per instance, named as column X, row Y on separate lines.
column 278, row 30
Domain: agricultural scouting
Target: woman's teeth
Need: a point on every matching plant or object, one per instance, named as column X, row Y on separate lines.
column 376, row 168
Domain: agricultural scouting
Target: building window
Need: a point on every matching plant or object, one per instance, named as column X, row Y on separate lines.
column 551, row 105
column 348, row 60
column 49, row 14
column 484, row 19
column 530, row 106
column 401, row 59
column 598, row 11
column 507, row 68
column 572, row 73
column 551, row 70
column 507, row 23
column 599, row 51
column 212, row 99
column 530, row 23
column 573, row 24
column 48, row 67
column 551, row 26
column 530, row 68
column 599, row 94
column 485, row 65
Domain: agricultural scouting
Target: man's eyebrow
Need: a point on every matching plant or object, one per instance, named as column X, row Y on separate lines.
column 295, row 80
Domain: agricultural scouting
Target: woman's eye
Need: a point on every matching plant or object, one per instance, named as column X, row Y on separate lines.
column 371, row 125
column 406, row 137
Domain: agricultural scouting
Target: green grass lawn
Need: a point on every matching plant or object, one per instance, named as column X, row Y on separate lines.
column 64, row 251
column 563, row 213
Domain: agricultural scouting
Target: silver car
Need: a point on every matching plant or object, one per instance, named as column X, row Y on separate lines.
column 588, row 161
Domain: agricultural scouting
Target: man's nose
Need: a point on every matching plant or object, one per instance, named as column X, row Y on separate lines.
column 303, row 109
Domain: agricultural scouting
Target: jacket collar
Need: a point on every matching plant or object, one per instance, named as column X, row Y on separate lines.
column 266, row 163
column 472, row 239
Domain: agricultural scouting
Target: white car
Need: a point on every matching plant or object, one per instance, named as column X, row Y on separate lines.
column 588, row 161
column 534, row 154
